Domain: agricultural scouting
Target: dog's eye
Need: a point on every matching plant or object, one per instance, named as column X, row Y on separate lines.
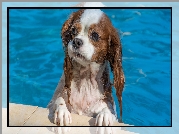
column 74, row 31
column 95, row 36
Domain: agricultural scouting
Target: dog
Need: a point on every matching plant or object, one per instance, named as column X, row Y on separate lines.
column 92, row 46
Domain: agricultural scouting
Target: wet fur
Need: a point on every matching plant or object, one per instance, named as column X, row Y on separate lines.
column 111, row 54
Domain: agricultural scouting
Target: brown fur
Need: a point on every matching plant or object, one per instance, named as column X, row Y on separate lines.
column 101, row 46
column 115, row 59
column 114, row 56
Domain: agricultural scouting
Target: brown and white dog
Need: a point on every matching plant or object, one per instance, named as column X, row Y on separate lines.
column 91, row 44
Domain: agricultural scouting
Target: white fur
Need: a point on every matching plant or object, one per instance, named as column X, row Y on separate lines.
column 61, row 116
column 89, row 17
column 86, row 50
column 105, row 115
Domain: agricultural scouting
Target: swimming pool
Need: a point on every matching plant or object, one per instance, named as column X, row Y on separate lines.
column 36, row 60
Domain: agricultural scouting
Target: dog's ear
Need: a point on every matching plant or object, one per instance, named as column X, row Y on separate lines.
column 65, row 32
column 68, row 74
column 66, row 38
column 115, row 60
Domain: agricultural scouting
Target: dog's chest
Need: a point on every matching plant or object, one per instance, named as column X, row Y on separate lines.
column 86, row 91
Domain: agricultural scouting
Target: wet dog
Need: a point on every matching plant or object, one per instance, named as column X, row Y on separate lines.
column 92, row 46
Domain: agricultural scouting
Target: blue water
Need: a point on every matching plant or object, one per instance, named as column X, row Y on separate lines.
column 36, row 60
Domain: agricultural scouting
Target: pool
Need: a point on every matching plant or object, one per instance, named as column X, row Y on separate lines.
column 36, row 60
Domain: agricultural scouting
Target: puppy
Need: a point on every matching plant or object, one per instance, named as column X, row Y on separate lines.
column 92, row 46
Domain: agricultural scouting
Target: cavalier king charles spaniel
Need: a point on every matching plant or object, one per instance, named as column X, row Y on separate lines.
column 92, row 46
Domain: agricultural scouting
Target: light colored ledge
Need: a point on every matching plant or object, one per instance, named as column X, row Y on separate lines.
column 23, row 115
column 26, row 115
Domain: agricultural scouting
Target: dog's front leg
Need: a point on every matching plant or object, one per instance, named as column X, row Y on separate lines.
column 105, row 118
column 62, row 116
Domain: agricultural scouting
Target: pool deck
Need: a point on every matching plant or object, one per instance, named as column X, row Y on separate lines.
column 25, row 115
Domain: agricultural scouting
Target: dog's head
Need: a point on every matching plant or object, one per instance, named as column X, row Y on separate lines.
column 89, row 36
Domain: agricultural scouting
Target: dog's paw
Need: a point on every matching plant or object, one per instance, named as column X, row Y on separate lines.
column 60, row 130
column 62, row 116
column 104, row 118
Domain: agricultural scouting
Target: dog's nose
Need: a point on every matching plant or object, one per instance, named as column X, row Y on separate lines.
column 77, row 43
